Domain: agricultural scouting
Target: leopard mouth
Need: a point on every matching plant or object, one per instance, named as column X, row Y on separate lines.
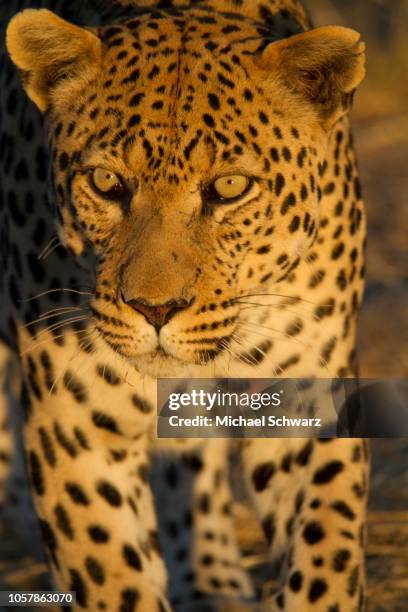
column 161, row 363
column 159, row 355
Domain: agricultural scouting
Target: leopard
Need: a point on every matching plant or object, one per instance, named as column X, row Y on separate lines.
column 180, row 198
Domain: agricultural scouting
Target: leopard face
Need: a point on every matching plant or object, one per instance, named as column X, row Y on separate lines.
column 185, row 165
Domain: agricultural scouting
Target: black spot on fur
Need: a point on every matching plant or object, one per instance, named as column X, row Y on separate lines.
column 280, row 600
column 95, row 570
column 36, row 473
column 132, row 557
column 63, row 161
column 141, row 404
column 75, row 386
column 269, row 527
column 317, row 589
column 344, row 509
column 262, row 475
column 295, row 581
column 313, row 532
column 82, row 438
column 104, row 421
column 279, row 183
column 352, row 582
column 209, row 120
column 47, row 447
column 50, row 541
column 66, row 443
column 128, row 600
column 204, row 503
column 25, row 401
column 328, row 472
column 337, row 251
column 286, row 462
column 108, row 374
column 78, row 585
column 63, row 522
column 303, row 456
column 143, row 471
column 77, row 494
column 109, row 493
column 98, row 534
column 48, row 371
column 214, row 101
column 340, row 560
column 299, row 499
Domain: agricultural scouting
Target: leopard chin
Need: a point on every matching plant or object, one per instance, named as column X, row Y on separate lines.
column 159, row 364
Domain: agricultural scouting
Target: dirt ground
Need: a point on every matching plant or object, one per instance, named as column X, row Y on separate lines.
column 380, row 120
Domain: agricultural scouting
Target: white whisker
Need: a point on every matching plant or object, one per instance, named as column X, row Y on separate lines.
column 35, row 297
column 51, row 314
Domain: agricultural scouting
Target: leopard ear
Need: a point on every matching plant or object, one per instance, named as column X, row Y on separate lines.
column 46, row 50
column 323, row 66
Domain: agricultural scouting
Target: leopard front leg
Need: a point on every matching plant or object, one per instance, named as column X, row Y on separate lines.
column 93, row 512
column 88, row 468
column 310, row 498
column 196, row 524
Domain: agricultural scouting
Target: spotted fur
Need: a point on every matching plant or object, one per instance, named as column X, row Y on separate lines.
column 102, row 296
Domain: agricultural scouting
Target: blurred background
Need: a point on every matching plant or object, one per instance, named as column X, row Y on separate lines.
column 380, row 127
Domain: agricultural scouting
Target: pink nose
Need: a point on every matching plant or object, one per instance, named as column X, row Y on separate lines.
column 158, row 314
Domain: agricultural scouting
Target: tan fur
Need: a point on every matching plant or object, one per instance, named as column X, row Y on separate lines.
column 320, row 65
column 46, row 49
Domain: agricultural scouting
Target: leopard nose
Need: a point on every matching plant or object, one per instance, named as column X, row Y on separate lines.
column 158, row 314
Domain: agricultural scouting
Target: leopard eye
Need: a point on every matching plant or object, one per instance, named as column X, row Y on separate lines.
column 107, row 183
column 231, row 186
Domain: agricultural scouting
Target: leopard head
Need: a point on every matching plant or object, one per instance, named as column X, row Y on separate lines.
column 185, row 157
